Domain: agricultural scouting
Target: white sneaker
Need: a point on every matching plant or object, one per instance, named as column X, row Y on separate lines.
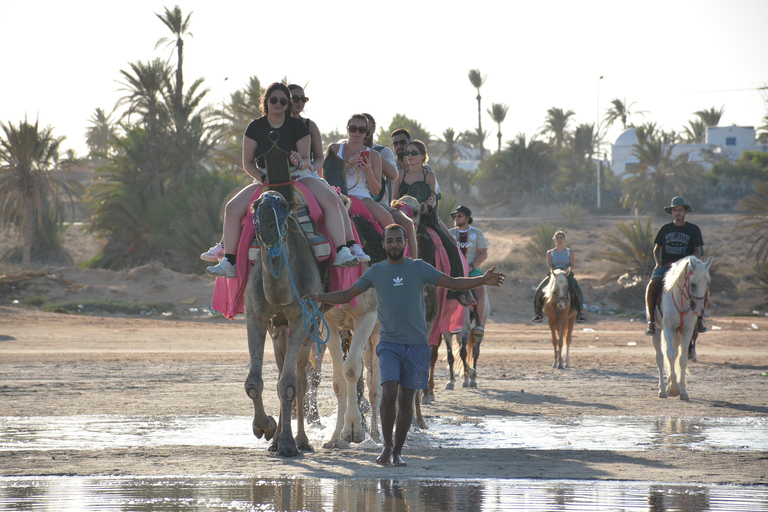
column 223, row 269
column 358, row 253
column 214, row 254
column 344, row 258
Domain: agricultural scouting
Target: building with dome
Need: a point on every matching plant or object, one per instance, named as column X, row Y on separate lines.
column 727, row 141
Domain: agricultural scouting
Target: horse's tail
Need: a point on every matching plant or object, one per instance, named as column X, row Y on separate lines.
column 458, row 364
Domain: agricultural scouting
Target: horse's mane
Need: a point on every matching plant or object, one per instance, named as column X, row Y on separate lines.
column 676, row 273
column 551, row 288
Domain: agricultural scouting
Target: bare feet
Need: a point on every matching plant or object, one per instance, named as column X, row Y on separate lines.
column 397, row 460
column 385, row 458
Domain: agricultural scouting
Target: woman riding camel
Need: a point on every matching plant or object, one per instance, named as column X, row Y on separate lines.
column 298, row 102
column 560, row 257
column 415, row 158
column 294, row 138
column 364, row 175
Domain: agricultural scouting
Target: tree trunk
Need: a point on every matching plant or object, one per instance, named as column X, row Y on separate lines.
column 27, row 232
column 480, row 127
column 179, row 98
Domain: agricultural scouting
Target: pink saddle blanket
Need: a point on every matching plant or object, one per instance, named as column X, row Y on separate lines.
column 229, row 294
column 450, row 313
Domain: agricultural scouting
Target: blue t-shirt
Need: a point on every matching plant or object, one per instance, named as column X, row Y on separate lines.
column 400, row 295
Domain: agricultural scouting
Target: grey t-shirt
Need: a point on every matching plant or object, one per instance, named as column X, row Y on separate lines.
column 400, row 296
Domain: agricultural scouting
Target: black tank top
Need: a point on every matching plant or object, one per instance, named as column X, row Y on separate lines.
column 404, row 186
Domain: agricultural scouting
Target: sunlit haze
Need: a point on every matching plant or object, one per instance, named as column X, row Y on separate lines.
column 62, row 60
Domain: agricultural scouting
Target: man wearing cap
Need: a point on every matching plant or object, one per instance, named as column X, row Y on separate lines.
column 471, row 242
column 674, row 241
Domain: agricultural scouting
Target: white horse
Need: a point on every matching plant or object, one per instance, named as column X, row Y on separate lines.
column 686, row 286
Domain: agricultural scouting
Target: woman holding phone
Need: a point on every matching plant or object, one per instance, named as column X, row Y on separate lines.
column 295, row 140
column 365, row 182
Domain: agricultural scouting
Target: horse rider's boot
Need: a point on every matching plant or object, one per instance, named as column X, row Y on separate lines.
column 701, row 324
column 650, row 307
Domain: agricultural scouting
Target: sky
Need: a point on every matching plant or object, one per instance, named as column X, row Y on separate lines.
column 62, row 60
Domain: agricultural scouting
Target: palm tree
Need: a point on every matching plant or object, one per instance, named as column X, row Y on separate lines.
column 498, row 113
column 179, row 27
column 232, row 117
column 695, row 132
column 523, row 167
column 145, row 86
column 659, row 176
column 99, row 137
column 30, row 178
column 710, row 117
column 632, row 249
column 762, row 131
column 620, row 111
column 556, row 125
column 450, row 153
column 477, row 80
column 755, row 218
column 584, row 140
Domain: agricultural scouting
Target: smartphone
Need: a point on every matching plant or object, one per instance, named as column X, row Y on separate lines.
column 365, row 155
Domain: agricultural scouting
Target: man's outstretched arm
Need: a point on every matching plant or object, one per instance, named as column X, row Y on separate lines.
column 490, row 278
column 337, row 297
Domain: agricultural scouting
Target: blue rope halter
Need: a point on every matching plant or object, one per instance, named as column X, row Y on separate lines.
column 310, row 312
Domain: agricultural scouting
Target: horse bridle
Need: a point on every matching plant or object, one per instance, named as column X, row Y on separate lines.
column 685, row 293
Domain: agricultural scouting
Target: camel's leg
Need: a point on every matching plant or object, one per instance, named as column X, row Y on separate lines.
column 429, row 394
column 374, row 385
column 288, row 386
column 263, row 425
column 673, row 388
column 352, row 368
column 279, row 344
column 469, row 372
column 302, row 441
column 339, row 385
column 568, row 334
column 418, row 417
column 448, row 339
column 314, row 376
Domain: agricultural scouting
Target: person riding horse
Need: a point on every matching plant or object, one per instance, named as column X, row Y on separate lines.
column 560, row 257
column 674, row 241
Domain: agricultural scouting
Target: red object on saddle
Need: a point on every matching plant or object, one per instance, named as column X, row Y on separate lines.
column 357, row 207
column 229, row 294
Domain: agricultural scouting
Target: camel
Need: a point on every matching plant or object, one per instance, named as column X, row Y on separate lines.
column 272, row 302
column 560, row 308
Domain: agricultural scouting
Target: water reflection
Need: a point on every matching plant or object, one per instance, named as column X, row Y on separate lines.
column 530, row 432
column 235, row 493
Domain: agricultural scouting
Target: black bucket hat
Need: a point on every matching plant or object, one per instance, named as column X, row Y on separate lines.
column 463, row 209
column 678, row 201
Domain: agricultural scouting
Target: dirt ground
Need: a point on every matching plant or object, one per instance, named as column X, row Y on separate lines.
column 55, row 364
column 190, row 363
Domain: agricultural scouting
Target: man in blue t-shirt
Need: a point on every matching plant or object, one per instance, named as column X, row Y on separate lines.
column 674, row 241
column 403, row 348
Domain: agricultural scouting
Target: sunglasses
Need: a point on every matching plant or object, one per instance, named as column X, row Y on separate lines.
column 362, row 129
column 412, row 152
column 274, row 101
column 399, row 143
column 299, row 99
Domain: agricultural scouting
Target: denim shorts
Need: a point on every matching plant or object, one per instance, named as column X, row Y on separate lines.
column 660, row 272
column 407, row 364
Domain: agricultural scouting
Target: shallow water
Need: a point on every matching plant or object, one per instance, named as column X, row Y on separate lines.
column 237, row 493
column 530, row 432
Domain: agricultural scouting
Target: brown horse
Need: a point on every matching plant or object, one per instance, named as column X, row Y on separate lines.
column 560, row 308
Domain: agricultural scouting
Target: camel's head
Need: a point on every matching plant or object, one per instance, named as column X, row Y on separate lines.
column 270, row 212
column 411, row 207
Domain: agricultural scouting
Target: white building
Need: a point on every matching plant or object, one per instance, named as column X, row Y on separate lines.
column 729, row 141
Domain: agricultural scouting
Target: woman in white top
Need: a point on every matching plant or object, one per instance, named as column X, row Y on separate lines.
column 365, row 182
